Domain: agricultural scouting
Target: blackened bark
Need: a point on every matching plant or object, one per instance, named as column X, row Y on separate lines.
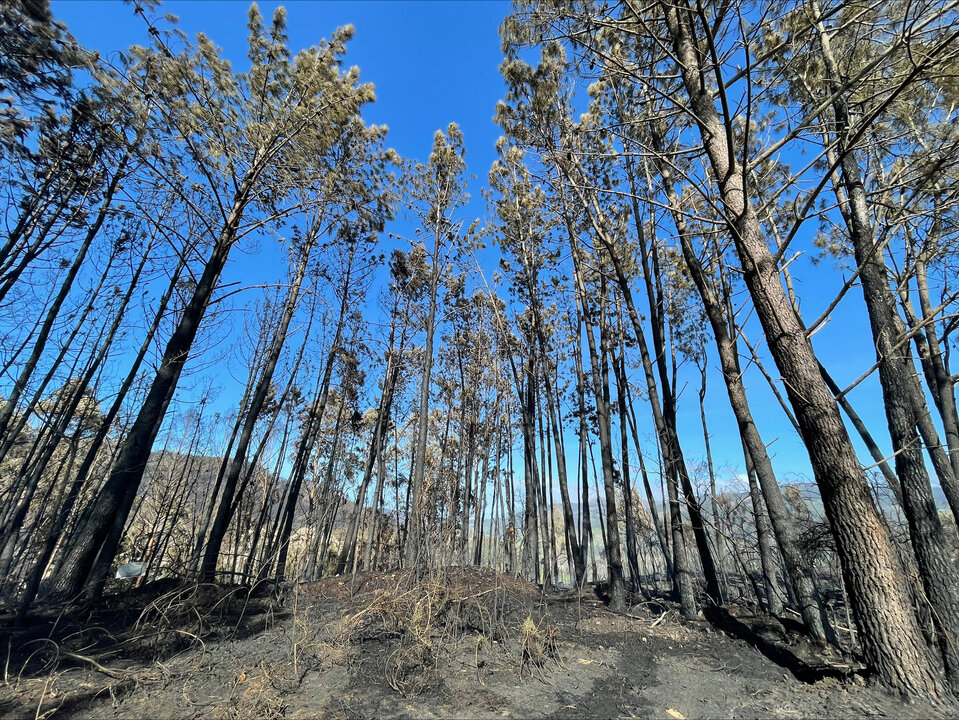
column 754, row 447
column 902, row 393
column 105, row 517
column 258, row 399
column 598, row 357
column 891, row 640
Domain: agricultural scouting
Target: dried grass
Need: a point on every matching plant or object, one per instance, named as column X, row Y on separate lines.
column 538, row 643
column 255, row 696
column 422, row 621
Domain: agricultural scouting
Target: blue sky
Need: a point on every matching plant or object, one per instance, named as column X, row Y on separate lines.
column 433, row 62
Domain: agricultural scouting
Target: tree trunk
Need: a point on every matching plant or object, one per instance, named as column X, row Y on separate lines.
column 344, row 562
column 43, row 332
column 764, row 537
column 902, row 393
column 754, row 447
column 258, row 399
column 586, row 525
column 619, row 367
column 598, row 363
column 104, row 519
column 891, row 640
column 416, row 550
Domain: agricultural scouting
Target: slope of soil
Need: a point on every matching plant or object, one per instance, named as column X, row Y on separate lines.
column 464, row 644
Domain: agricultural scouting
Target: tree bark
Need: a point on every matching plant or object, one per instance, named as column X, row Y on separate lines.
column 902, row 393
column 258, row 398
column 103, row 521
column 598, row 358
column 891, row 640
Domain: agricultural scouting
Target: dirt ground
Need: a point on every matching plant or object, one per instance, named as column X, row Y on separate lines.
column 463, row 644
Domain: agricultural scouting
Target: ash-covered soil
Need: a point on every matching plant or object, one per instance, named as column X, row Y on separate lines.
column 464, row 643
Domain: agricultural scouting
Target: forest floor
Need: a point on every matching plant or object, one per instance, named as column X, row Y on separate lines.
column 465, row 644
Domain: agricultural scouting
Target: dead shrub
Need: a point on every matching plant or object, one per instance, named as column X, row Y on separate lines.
column 410, row 668
column 180, row 618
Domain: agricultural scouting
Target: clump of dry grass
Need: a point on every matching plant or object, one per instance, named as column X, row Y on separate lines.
column 420, row 621
column 410, row 668
column 413, row 621
column 255, row 696
column 538, row 643
column 124, row 656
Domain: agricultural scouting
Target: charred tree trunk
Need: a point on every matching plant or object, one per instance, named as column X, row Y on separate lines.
column 90, row 557
column 600, row 382
column 258, row 399
column 902, row 393
column 891, row 640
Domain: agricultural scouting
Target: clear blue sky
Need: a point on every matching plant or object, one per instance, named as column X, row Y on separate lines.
column 433, row 62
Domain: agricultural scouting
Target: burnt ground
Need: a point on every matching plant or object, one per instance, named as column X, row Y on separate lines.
column 463, row 644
